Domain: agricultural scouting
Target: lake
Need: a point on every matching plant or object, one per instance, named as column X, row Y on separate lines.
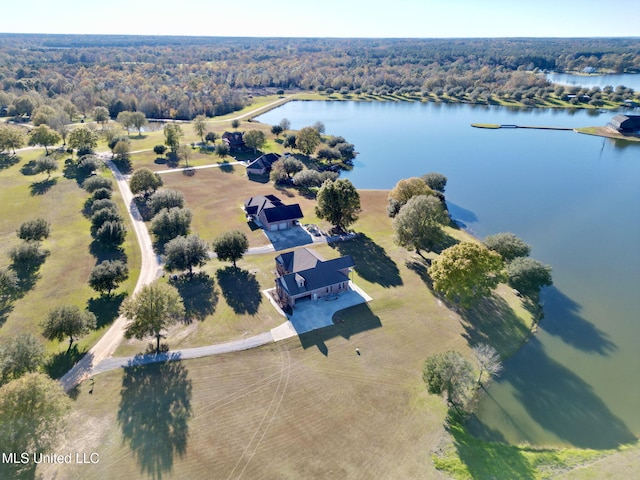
column 614, row 80
column 575, row 199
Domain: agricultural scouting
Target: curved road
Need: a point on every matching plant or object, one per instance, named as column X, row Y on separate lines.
column 98, row 358
column 150, row 269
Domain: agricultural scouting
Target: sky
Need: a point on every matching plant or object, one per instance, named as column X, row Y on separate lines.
column 327, row 18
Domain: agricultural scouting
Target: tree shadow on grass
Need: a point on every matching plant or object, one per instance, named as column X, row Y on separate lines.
column 570, row 327
column 72, row 172
column 240, row 290
column 491, row 320
column 226, row 167
column 421, row 268
column 29, row 168
column 27, row 273
column 123, row 164
column 8, row 160
column 284, row 190
column 371, row 261
column 104, row 252
column 6, row 308
column 60, row 363
column 154, row 413
column 198, row 295
column 42, row 187
column 106, row 308
column 347, row 323
column 485, row 459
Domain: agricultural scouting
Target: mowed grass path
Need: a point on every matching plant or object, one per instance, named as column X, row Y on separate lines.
column 309, row 407
column 62, row 279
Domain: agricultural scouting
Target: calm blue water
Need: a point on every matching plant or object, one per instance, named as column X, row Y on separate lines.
column 614, row 80
column 575, row 198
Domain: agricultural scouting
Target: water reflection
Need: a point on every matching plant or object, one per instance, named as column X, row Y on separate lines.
column 558, row 401
column 571, row 327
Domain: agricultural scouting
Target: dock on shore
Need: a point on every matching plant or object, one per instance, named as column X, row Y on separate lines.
column 494, row 126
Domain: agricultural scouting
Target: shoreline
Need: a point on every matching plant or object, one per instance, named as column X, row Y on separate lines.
column 501, row 102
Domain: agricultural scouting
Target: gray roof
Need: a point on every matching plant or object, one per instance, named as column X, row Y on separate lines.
column 274, row 209
column 324, row 274
column 282, row 213
column 256, row 204
column 625, row 122
column 264, row 161
column 299, row 260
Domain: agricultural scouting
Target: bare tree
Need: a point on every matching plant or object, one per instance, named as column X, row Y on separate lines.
column 488, row 360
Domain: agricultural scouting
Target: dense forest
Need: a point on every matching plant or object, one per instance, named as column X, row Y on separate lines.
column 181, row 77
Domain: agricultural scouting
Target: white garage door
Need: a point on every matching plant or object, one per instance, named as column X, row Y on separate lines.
column 282, row 226
column 273, row 227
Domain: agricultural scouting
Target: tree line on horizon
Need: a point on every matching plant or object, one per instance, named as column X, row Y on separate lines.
column 181, row 77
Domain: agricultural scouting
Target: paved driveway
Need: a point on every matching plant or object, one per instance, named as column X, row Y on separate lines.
column 290, row 238
column 313, row 314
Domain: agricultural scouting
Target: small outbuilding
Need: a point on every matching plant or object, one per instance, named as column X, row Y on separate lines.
column 625, row 123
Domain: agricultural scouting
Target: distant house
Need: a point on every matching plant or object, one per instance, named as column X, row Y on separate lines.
column 262, row 164
column 625, row 123
column 271, row 213
column 234, row 141
column 304, row 274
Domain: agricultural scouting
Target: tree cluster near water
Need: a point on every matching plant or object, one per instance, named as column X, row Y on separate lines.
column 338, row 202
column 525, row 274
column 418, row 224
column 466, row 272
column 451, row 374
column 418, row 212
column 182, row 77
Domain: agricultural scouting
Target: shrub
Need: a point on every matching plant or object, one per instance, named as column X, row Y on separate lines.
column 92, row 184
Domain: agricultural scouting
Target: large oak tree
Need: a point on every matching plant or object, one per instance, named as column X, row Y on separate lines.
column 466, row 272
column 338, row 203
column 152, row 310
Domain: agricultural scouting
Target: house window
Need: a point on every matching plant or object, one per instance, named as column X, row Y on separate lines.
column 327, row 289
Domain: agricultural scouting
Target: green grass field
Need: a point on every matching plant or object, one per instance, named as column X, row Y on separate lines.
column 304, row 408
column 309, row 407
column 62, row 278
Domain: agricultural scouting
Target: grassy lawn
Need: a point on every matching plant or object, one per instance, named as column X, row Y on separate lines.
column 62, row 278
column 309, row 402
column 216, row 196
column 466, row 457
column 308, row 407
